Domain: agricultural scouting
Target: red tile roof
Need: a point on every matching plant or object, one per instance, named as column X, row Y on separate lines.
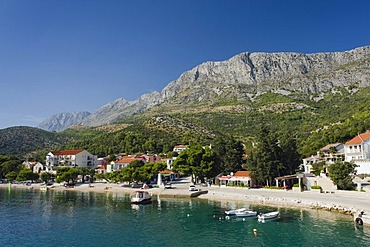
column 68, row 152
column 359, row 139
column 180, row 146
column 242, row 174
column 129, row 159
column 165, row 172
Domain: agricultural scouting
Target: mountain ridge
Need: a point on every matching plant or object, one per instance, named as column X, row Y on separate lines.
column 244, row 76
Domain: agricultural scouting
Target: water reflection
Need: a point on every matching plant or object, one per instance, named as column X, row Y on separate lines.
column 77, row 217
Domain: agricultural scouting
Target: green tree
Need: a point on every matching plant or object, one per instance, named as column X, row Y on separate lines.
column 26, row 174
column 67, row 174
column 197, row 161
column 87, row 171
column 230, row 154
column 209, row 165
column 265, row 162
column 318, row 167
column 11, row 176
column 46, row 177
column 9, row 164
column 341, row 174
column 289, row 153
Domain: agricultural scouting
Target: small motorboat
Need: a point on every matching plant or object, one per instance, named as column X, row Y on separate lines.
column 246, row 213
column 234, row 211
column 141, row 197
column 271, row 215
column 361, row 218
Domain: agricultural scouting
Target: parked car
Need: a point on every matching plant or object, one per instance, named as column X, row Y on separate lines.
column 192, row 188
column 135, row 186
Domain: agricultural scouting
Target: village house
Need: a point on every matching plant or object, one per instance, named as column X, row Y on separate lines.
column 239, row 178
column 179, row 148
column 123, row 162
column 152, row 158
column 36, row 167
column 169, row 162
column 328, row 154
column 357, row 150
column 100, row 169
column 69, row 158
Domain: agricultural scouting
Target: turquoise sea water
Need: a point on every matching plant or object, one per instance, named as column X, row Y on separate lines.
column 68, row 218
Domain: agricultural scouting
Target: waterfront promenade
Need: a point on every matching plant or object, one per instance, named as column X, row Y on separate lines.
column 342, row 201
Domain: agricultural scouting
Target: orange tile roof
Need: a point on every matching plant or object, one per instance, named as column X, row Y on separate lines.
column 68, row 152
column 128, row 159
column 165, row 172
column 359, row 139
column 242, row 174
column 180, row 146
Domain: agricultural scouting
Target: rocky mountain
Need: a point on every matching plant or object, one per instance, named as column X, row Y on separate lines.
column 248, row 74
column 120, row 108
column 245, row 76
column 61, row 121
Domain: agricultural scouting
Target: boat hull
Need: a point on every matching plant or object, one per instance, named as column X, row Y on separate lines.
column 143, row 201
column 246, row 214
column 267, row 216
column 141, row 197
column 365, row 218
column 234, row 211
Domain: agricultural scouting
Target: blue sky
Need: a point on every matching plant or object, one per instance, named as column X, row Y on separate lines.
column 74, row 55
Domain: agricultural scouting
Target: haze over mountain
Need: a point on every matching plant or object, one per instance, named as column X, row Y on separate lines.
column 241, row 77
column 61, row 121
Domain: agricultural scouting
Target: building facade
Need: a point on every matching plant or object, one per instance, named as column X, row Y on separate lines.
column 123, row 162
column 70, row 158
column 357, row 150
column 329, row 154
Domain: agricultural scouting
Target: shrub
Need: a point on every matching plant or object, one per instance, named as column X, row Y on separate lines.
column 273, row 188
column 317, row 187
column 296, row 185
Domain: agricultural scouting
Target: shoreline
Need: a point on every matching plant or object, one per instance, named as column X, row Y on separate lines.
column 346, row 202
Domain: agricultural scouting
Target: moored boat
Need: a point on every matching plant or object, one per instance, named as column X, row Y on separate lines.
column 141, row 197
column 234, row 211
column 246, row 213
column 361, row 218
column 271, row 215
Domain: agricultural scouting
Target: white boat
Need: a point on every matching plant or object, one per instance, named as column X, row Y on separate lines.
column 246, row 213
column 141, row 197
column 234, row 211
column 361, row 218
column 271, row 215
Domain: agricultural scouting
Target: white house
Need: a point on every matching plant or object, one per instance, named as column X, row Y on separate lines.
column 123, row 162
column 36, row 167
column 307, row 163
column 357, row 150
column 179, row 148
column 242, row 177
column 169, row 162
column 71, row 158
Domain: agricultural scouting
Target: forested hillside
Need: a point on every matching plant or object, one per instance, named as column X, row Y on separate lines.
column 314, row 120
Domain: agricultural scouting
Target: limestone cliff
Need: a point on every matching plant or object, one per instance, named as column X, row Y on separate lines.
column 246, row 75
